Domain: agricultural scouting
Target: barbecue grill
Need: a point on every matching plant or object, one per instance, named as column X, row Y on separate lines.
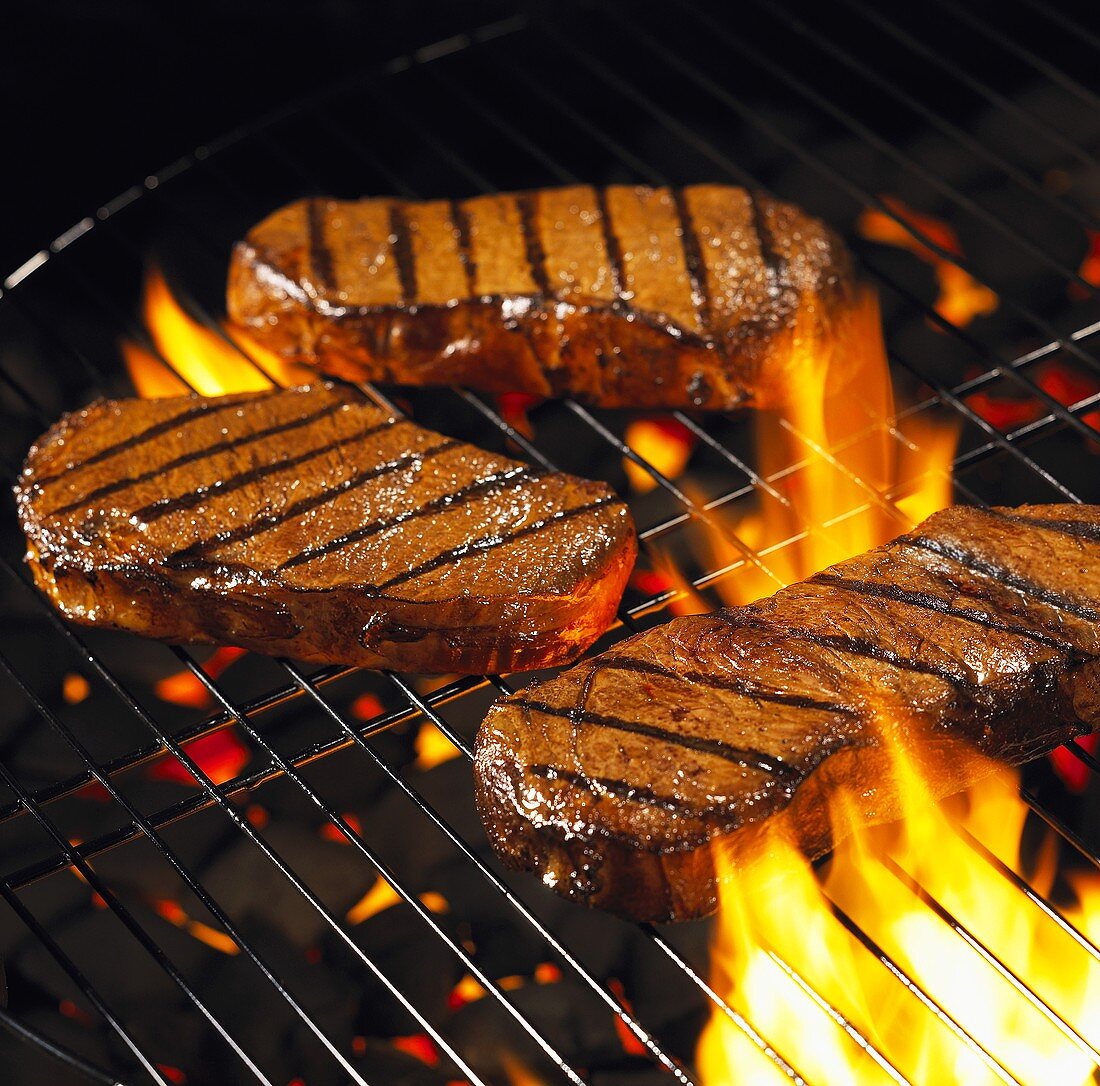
column 190, row 841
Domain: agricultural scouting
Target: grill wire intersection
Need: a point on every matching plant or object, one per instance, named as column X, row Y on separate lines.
column 464, row 72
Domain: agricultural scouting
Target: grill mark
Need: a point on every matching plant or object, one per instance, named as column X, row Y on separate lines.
column 163, row 507
column 745, row 756
column 461, row 223
column 934, row 603
column 623, row 790
column 1075, row 528
column 693, row 260
column 401, row 246
column 1002, row 576
column 194, row 555
column 614, row 251
column 768, row 254
column 698, row 678
column 488, row 543
column 207, row 407
column 196, row 456
column 320, row 256
column 452, row 500
column 852, row 646
column 536, row 253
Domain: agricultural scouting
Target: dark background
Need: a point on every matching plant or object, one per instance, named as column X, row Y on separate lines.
column 98, row 95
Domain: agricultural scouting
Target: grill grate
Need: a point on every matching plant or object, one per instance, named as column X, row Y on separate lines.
column 471, row 74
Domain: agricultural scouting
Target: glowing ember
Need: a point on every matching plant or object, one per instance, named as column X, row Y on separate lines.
column 186, row 688
column 664, row 443
column 220, row 755
column 382, row 896
column 961, row 297
column 174, row 913
column 1089, row 269
column 433, row 747
column 419, row 1045
column 331, row 832
column 74, row 688
column 367, row 707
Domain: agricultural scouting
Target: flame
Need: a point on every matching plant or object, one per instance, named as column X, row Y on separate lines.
column 961, row 297
column 847, row 474
column 664, row 442
column 842, row 473
column 196, row 356
column 433, row 747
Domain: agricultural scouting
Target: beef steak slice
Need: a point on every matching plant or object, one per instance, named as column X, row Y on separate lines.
column 295, row 522
column 974, row 635
column 709, row 296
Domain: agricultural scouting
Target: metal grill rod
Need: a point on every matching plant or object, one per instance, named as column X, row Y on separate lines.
column 567, row 177
column 58, row 1051
column 1038, row 125
column 726, row 164
column 95, row 882
column 383, row 869
column 991, row 959
column 77, row 977
column 906, row 161
column 921, row 995
column 635, row 1028
column 249, row 831
column 199, row 802
column 861, row 196
column 1034, row 61
column 1082, row 216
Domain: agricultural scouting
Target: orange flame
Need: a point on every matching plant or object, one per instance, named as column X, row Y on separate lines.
column 193, row 355
column 961, row 297
column 846, row 474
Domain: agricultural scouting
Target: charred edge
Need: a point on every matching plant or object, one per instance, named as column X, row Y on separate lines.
column 195, row 457
column 1002, row 576
column 452, row 500
column 320, row 256
column 853, row 646
column 753, row 759
column 611, row 244
column 768, row 254
column 1078, row 529
column 488, row 543
column 935, row 603
column 749, row 690
column 209, row 407
column 536, row 254
column 401, row 243
column 193, row 556
column 622, row 790
column 163, row 507
column 693, row 259
column 461, row 223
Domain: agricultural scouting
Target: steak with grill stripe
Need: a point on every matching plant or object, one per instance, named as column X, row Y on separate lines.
column 709, row 296
column 971, row 641
column 296, row 523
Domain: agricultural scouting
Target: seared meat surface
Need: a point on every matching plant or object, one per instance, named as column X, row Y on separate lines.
column 976, row 634
column 709, row 296
column 295, row 522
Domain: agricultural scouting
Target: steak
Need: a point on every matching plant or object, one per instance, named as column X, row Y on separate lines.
column 709, row 296
column 969, row 642
column 293, row 522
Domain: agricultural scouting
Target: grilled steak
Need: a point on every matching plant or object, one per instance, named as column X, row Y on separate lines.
column 624, row 296
column 976, row 634
column 293, row 522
